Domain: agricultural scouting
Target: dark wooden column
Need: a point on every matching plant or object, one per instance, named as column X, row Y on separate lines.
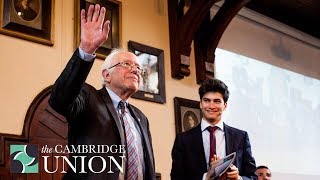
column 182, row 27
column 190, row 20
column 207, row 37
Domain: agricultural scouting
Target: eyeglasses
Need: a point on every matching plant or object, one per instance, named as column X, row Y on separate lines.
column 127, row 65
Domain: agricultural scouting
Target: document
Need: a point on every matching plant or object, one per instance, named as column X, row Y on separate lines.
column 219, row 167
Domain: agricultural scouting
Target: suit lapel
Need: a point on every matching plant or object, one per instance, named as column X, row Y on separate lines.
column 198, row 144
column 108, row 102
column 232, row 145
column 228, row 136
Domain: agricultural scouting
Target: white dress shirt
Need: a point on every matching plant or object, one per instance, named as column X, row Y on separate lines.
column 220, row 139
column 136, row 131
column 220, row 142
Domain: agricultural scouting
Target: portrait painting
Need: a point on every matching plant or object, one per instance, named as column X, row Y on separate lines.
column 187, row 114
column 148, row 63
column 27, row 10
column 28, row 19
column 151, row 61
column 190, row 119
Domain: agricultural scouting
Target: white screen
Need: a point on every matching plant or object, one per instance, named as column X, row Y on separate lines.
column 279, row 109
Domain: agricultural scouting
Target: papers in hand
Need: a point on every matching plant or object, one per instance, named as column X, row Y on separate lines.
column 219, row 167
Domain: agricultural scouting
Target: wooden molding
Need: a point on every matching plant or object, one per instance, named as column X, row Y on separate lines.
column 207, row 37
column 24, row 137
column 182, row 27
column 42, row 126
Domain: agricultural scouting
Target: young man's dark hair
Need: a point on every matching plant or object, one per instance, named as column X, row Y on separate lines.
column 263, row 173
column 214, row 85
column 262, row 167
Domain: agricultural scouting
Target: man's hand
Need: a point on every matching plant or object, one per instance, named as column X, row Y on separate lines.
column 213, row 161
column 94, row 31
column 233, row 173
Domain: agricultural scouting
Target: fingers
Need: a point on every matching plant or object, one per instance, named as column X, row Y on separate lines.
column 232, row 175
column 90, row 12
column 83, row 16
column 233, row 172
column 214, row 158
column 102, row 15
column 233, row 167
column 94, row 31
column 96, row 13
column 106, row 28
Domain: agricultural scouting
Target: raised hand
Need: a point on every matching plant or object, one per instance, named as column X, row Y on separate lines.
column 94, row 31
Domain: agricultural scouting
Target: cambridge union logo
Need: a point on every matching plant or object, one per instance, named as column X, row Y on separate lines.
column 24, row 159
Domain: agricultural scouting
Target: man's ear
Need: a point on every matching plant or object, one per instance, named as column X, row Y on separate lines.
column 106, row 75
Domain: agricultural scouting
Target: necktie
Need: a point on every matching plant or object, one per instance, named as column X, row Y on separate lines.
column 212, row 141
column 132, row 154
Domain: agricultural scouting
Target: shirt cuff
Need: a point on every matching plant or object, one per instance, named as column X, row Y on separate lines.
column 240, row 178
column 85, row 56
column 204, row 176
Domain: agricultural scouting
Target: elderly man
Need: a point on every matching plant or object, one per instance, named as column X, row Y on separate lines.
column 103, row 117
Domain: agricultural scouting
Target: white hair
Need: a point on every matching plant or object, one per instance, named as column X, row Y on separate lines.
column 108, row 62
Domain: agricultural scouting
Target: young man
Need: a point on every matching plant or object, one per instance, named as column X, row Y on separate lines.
column 103, row 117
column 263, row 173
column 194, row 150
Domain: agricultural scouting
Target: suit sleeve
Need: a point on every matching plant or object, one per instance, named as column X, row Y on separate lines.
column 180, row 168
column 67, row 97
column 248, row 162
column 177, row 170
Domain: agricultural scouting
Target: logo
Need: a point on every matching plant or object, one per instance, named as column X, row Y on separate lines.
column 24, row 159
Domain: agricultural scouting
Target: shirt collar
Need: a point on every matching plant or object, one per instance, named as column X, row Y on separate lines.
column 114, row 97
column 205, row 124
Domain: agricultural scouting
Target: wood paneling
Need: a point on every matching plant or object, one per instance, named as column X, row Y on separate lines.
column 42, row 126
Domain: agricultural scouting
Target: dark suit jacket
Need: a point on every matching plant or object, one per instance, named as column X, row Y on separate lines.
column 188, row 157
column 93, row 120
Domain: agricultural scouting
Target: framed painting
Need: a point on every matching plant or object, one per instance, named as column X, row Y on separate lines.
column 113, row 13
column 187, row 114
column 151, row 61
column 32, row 20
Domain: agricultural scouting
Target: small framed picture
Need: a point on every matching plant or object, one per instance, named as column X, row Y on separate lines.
column 31, row 20
column 153, row 80
column 187, row 114
column 113, row 14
